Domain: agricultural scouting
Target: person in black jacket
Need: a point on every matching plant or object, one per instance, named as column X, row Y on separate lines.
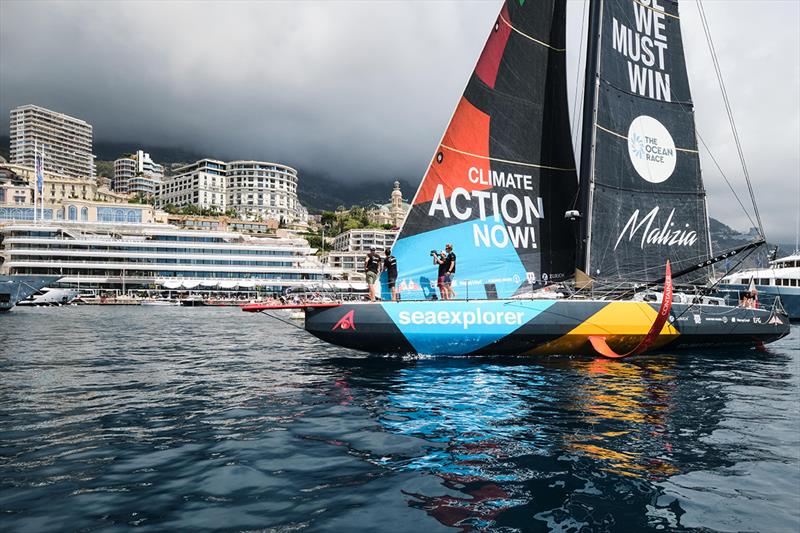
column 390, row 266
column 449, row 271
column 372, row 267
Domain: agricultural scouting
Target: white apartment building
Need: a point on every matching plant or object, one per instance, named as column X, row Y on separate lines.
column 137, row 174
column 360, row 240
column 201, row 183
column 350, row 248
column 261, row 190
column 65, row 140
column 256, row 190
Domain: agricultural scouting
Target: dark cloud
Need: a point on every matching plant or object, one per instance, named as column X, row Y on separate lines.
column 363, row 90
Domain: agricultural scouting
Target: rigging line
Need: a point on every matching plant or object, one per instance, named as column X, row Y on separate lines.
column 578, row 86
column 727, row 182
column 507, row 23
column 729, row 111
column 689, row 150
column 504, row 160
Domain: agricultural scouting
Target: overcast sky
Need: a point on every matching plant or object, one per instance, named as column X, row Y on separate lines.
column 364, row 89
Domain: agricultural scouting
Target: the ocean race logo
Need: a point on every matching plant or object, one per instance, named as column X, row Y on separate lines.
column 651, row 149
column 462, row 319
column 648, row 231
column 514, row 214
column 644, row 46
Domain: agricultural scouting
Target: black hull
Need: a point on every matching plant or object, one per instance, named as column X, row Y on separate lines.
column 521, row 327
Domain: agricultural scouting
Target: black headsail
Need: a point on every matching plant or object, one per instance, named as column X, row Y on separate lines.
column 643, row 200
column 504, row 172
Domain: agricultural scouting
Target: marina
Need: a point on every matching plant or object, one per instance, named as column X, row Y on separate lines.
column 332, row 266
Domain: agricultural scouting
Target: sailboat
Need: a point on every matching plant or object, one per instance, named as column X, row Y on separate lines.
column 547, row 264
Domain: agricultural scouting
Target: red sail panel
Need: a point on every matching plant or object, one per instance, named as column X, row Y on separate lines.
column 462, row 158
column 489, row 62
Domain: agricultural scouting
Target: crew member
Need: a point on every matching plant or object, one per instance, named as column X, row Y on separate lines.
column 390, row 266
column 449, row 271
column 439, row 259
column 372, row 266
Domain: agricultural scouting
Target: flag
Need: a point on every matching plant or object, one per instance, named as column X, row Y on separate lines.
column 40, row 172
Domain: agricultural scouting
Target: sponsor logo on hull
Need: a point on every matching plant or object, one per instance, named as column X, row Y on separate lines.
column 347, row 322
column 456, row 327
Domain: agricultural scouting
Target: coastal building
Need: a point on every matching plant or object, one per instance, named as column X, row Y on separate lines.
column 261, row 190
column 361, row 240
column 201, row 184
column 66, row 141
column 58, row 189
column 123, row 257
column 255, row 190
column 65, row 198
column 137, row 174
column 222, row 223
column 393, row 213
column 350, row 248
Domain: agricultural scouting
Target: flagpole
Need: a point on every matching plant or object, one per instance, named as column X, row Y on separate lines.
column 42, row 191
column 35, row 177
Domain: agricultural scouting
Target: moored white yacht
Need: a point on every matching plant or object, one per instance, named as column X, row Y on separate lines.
column 780, row 279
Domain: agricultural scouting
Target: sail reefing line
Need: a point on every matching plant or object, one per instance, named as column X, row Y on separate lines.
column 488, row 158
column 621, row 136
column 507, row 23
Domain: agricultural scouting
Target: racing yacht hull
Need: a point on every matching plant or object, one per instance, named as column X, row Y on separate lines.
column 537, row 327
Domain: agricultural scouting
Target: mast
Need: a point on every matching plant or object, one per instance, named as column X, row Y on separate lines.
column 586, row 175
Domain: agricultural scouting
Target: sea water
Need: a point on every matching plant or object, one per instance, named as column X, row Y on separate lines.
column 194, row 419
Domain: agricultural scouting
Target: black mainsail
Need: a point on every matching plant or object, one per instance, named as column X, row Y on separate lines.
column 643, row 200
column 504, row 172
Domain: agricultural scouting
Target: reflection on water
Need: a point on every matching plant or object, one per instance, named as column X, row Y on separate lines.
column 209, row 418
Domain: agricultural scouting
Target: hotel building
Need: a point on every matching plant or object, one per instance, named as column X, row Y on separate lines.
column 260, row 190
column 201, row 184
column 137, row 174
column 145, row 256
column 66, row 141
column 255, row 190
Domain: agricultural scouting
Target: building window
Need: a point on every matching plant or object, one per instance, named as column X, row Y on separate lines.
column 84, row 214
column 72, row 213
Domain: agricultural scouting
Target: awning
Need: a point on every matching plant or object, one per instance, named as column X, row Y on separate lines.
column 209, row 283
column 190, row 283
column 172, row 284
column 247, row 284
column 228, row 284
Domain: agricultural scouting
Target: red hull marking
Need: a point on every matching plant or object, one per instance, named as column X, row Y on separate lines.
column 346, row 322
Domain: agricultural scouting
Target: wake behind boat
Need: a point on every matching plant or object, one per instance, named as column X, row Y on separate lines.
column 502, row 188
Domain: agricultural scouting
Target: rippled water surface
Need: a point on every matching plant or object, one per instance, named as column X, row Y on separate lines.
column 199, row 418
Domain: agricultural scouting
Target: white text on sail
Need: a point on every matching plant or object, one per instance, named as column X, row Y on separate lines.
column 664, row 235
column 645, row 50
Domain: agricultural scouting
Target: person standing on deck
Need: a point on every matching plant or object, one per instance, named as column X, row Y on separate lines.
column 372, row 267
column 439, row 259
column 449, row 271
column 390, row 266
